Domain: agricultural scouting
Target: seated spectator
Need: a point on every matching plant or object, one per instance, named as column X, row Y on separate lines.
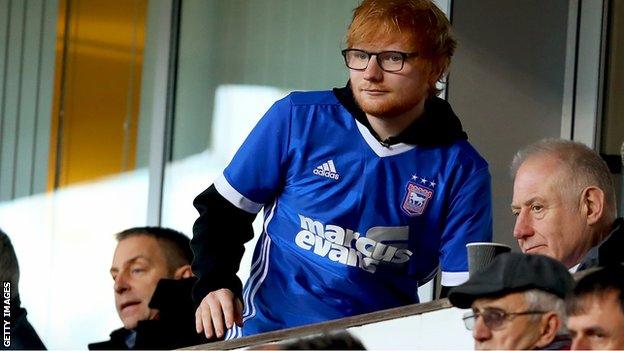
column 153, row 281
column 596, row 310
column 517, row 303
column 565, row 207
column 22, row 336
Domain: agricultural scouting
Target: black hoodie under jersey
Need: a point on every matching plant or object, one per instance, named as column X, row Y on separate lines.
column 218, row 254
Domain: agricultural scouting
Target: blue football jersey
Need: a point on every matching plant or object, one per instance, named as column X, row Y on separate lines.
column 350, row 226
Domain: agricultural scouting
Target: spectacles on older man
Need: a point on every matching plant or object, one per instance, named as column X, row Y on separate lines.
column 389, row 61
column 493, row 318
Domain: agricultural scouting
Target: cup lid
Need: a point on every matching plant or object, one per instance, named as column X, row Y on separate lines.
column 485, row 243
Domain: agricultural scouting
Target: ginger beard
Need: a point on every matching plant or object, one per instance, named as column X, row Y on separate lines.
column 388, row 106
column 388, row 95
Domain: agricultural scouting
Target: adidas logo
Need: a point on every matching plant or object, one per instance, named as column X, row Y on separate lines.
column 328, row 170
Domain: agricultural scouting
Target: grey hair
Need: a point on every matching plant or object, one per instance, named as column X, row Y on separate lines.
column 584, row 167
column 9, row 269
column 539, row 300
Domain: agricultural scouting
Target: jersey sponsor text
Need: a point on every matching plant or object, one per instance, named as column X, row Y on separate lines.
column 346, row 246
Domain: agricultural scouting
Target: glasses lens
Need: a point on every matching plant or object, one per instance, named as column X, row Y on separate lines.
column 356, row 59
column 494, row 318
column 391, row 61
column 469, row 320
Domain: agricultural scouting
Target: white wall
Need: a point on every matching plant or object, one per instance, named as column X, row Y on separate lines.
column 438, row 330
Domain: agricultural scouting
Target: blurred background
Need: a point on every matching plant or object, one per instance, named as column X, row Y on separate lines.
column 117, row 113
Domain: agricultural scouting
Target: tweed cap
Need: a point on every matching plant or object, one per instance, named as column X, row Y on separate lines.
column 514, row 272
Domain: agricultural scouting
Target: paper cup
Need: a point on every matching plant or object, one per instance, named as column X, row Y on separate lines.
column 480, row 255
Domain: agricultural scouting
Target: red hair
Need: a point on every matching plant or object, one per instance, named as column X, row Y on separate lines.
column 422, row 24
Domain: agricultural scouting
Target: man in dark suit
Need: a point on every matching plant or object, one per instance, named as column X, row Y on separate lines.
column 153, row 281
column 565, row 206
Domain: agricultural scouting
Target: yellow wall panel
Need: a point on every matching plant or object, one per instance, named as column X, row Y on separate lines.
column 101, row 50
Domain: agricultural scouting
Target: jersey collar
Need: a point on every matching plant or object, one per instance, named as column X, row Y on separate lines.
column 437, row 126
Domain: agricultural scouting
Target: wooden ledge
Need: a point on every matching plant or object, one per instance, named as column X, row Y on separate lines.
column 329, row 326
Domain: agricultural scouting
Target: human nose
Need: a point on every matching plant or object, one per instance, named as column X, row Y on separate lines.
column 523, row 227
column 580, row 343
column 373, row 71
column 480, row 331
column 121, row 283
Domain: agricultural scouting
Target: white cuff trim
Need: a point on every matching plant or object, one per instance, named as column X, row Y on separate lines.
column 237, row 199
column 453, row 278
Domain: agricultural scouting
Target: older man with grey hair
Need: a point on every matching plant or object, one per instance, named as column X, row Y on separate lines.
column 565, row 207
column 517, row 303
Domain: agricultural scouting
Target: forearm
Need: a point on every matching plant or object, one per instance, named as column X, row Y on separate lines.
column 219, row 235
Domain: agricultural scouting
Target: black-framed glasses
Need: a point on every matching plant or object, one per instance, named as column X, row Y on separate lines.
column 493, row 318
column 389, row 61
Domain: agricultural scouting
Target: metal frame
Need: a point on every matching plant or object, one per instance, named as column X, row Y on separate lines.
column 569, row 81
column 584, row 72
column 162, row 107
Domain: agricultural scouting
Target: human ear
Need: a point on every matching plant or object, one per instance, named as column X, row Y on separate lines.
column 592, row 204
column 550, row 323
column 183, row 272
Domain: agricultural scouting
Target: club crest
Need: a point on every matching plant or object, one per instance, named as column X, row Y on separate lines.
column 416, row 199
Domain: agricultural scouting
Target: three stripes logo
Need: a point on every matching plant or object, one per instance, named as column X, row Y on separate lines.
column 327, row 170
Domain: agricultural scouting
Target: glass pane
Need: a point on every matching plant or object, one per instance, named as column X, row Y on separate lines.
column 94, row 184
column 236, row 59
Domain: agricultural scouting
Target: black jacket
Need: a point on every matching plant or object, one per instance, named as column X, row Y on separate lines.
column 175, row 327
column 560, row 342
column 610, row 251
column 218, row 254
column 23, row 335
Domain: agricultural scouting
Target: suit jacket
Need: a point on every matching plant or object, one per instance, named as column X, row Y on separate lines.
column 174, row 329
column 610, row 251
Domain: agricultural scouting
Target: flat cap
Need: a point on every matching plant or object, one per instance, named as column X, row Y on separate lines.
column 514, row 272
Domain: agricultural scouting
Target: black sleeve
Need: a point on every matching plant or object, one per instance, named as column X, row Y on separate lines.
column 219, row 235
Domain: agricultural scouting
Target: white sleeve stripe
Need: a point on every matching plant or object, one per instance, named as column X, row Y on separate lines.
column 237, row 199
column 453, row 278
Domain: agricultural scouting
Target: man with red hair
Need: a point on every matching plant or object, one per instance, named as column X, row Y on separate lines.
column 366, row 190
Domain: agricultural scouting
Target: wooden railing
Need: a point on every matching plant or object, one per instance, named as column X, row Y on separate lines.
column 330, row 326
